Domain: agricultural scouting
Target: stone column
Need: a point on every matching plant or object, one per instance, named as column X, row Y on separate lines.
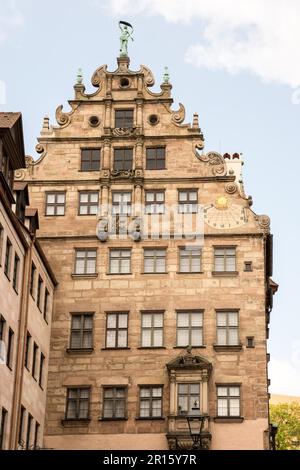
column 139, row 113
column 139, row 153
column 107, row 117
column 104, row 200
column 173, row 407
column 138, row 200
column 106, row 154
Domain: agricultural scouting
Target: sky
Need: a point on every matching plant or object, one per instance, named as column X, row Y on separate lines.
column 235, row 63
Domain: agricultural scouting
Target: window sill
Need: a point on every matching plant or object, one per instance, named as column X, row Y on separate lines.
column 225, row 273
column 118, row 274
column 228, row 419
column 165, row 272
column 79, row 351
column 112, row 419
column 160, row 418
column 184, row 347
column 190, row 272
column 184, row 416
column 81, row 276
column 54, row 215
column 76, row 422
column 114, row 349
column 225, row 348
column 152, row 347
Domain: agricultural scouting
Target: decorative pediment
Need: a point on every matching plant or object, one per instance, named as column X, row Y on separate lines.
column 189, row 361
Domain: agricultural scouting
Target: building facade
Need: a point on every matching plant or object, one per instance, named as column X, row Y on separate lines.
column 25, row 307
column 151, row 319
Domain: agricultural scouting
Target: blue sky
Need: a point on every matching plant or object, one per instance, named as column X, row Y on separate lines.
column 235, row 63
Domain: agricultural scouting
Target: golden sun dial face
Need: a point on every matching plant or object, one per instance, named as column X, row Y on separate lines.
column 223, row 215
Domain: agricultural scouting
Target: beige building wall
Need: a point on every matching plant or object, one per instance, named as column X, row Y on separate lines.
column 10, row 307
column 58, row 169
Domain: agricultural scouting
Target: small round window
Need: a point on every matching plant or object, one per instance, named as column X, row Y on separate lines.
column 94, row 121
column 124, row 82
column 153, row 119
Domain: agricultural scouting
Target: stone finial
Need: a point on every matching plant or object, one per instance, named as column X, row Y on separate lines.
column 79, row 77
column 166, row 75
column 195, row 121
column 46, row 121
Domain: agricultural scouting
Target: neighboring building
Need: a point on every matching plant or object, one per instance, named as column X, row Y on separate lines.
column 25, row 322
column 126, row 308
column 277, row 399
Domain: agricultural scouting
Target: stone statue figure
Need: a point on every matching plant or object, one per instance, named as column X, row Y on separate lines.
column 126, row 34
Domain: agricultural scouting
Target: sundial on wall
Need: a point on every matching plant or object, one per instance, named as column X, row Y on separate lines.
column 223, row 215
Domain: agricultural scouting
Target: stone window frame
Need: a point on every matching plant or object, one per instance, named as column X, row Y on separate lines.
column 33, row 273
column 155, row 204
column 36, row 434
column 1, row 242
column 151, row 399
column 41, row 370
column 157, row 158
column 124, row 118
column 154, row 258
column 16, row 273
column 78, row 400
column 228, row 328
column 2, row 327
column 28, row 431
column 229, row 418
column 120, row 258
column 21, row 425
column 85, row 258
column 225, row 257
column 27, row 350
column 117, row 329
column 56, row 205
column 39, row 292
column 3, row 426
column 89, row 204
column 47, row 301
column 90, row 160
column 190, row 257
column 82, row 330
column 121, row 205
column 152, row 328
column 190, row 327
column 183, row 377
column 114, row 399
column 186, row 207
column 8, row 257
column 34, row 361
column 10, row 348
column 124, row 153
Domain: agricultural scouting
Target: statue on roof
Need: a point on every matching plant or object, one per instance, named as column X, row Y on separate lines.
column 126, row 34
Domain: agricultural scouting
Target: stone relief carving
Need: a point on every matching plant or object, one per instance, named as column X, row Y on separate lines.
column 148, row 76
column 178, row 116
column 231, row 188
column 125, row 132
column 97, row 77
column 214, row 159
column 264, row 222
column 64, row 119
column 122, row 174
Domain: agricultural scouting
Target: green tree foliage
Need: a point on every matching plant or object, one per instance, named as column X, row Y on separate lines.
column 287, row 417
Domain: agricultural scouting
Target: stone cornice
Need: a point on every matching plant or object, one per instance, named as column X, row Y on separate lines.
column 166, row 180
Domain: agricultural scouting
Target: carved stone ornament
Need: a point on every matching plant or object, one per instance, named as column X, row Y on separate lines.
column 20, row 174
column 122, row 174
column 214, row 159
column 264, row 222
column 98, row 76
column 148, row 76
column 189, row 361
column 39, row 148
column 125, row 132
column 178, row 116
column 231, row 188
column 64, row 119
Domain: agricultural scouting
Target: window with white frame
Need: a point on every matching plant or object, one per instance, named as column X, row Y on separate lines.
column 55, row 203
column 152, row 329
column 229, row 401
column 155, row 202
column 121, row 203
column 155, row 260
column 85, row 261
column 188, row 201
column 225, row 259
column 119, row 261
column 227, row 328
column 190, row 259
column 88, row 202
column 188, row 397
column 151, row 401
column 189, row 328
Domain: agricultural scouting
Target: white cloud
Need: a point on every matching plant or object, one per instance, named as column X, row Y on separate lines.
column 260, row 37
column 285, row 377
column 10, row 19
